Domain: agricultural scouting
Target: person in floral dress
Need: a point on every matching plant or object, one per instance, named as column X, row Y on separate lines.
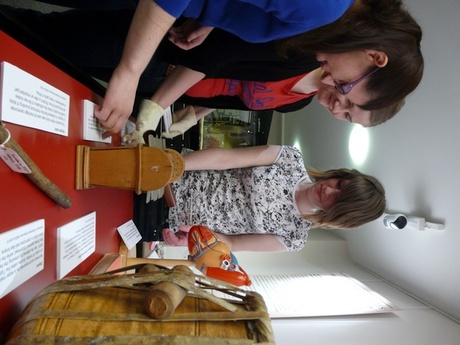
column 262, row 198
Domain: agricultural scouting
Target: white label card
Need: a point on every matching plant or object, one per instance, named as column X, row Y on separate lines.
column 76, row 241
column 129, row 234
column 22, row 255
column 29, row 101
column 14, row 161
column 92, row 129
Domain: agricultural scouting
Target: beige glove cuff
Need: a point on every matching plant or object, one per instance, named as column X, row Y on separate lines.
column 185, row 114
column 183, row 120
column 148, row 118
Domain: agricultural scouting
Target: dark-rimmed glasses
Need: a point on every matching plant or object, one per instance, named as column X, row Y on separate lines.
column 346, row 88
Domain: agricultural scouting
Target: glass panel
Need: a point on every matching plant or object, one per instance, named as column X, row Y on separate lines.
column 228, row 128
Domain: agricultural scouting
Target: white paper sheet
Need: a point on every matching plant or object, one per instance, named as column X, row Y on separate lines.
column 129, row 234
column 22, row 255
column 29, row 101
column 92, row 129
column 76, row 241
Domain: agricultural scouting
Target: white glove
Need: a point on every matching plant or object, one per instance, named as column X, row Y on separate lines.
column 148, row 118
column 183, row 120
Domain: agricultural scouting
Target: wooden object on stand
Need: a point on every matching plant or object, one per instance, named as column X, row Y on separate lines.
column 139, row 168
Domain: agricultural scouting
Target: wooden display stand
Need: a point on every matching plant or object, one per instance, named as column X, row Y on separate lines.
column 139, row 168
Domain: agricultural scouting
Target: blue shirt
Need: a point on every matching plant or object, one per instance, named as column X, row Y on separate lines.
column 259, row 21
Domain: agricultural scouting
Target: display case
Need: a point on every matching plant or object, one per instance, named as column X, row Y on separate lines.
column 234, row 128
column 225, row 128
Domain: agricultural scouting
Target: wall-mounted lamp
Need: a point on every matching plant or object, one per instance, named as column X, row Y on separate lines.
column 394, row 221
column 400, row 221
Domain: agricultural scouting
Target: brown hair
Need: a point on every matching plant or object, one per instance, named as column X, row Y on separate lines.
column 379, row 116
column 383, row 25
column 361, row 200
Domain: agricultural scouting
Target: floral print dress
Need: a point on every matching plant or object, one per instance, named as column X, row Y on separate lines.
column 257, row 200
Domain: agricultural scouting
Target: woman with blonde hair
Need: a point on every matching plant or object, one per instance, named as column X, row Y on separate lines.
column 262, row 198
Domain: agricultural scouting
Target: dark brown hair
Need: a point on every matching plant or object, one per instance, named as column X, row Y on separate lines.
column 383, row 25
column 381, row 115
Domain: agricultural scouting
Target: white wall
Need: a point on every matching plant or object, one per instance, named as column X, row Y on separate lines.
column 414, row 324
column 416, row 157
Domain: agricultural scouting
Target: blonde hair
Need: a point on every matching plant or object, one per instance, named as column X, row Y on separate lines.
column 361, row 200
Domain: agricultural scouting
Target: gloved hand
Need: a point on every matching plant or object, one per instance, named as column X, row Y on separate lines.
column 148, row 118
column 183, row 119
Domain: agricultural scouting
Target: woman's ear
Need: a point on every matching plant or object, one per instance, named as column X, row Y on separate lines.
column 378, row 57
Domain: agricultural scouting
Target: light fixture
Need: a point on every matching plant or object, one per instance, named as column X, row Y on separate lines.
column 296, row 144
column 358, row 144
column 394, row 221
column 400, row 221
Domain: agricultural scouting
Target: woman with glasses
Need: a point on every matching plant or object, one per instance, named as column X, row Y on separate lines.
column 262, row 198
column 341, row 99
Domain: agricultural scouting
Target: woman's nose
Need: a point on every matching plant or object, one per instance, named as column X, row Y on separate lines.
column 326, row 78
column 338, row 110
column 331, row 192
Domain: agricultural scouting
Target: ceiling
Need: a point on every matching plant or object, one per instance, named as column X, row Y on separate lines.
column 416, row 156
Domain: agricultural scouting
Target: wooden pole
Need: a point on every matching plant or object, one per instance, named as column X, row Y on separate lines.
column 163, row 299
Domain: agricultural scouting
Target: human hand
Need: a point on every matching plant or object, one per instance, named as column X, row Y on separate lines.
column 189, row 35
column 148, row 118
column 118, row 102
column 179, row 238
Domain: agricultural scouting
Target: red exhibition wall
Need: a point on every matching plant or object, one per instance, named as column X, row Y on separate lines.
column 21, row 202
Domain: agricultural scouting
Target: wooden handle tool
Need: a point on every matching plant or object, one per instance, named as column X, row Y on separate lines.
column 36, row 176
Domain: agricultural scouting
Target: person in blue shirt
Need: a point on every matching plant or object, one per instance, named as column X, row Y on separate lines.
column 259, row 21
column 359, row 26
column 93, row 41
